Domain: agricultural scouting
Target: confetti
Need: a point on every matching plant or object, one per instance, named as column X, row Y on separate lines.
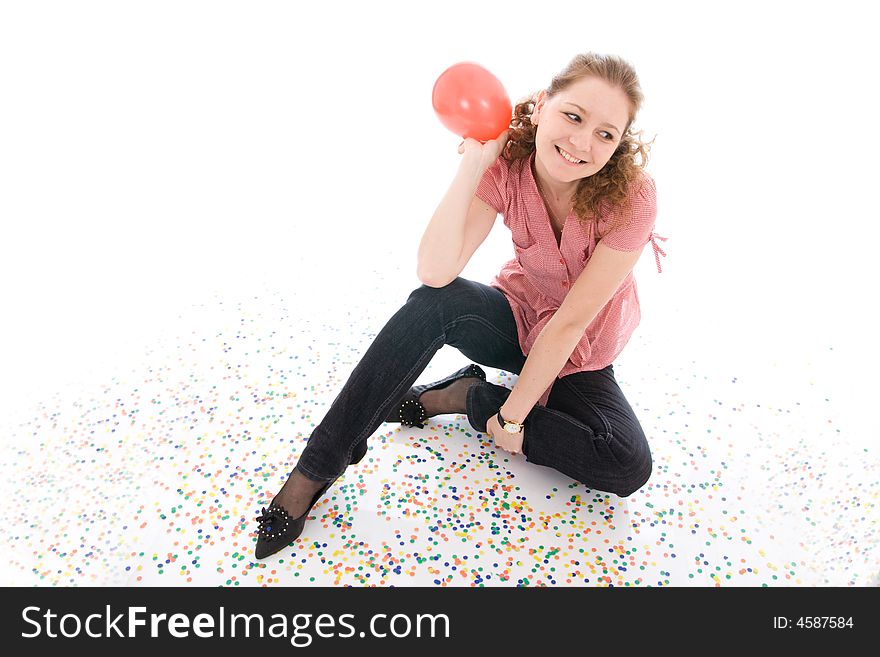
column 155, row 476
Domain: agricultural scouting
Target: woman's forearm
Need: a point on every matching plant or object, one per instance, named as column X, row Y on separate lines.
column 548, row 356
column 443, row 240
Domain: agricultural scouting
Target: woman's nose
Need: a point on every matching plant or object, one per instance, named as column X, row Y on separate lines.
column 581, row 143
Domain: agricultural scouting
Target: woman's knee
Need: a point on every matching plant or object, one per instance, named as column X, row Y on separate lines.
column 429, row 292
column 636, row 477
column 459, row 296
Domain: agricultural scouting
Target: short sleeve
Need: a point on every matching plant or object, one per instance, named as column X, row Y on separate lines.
column 492, row 188
column 635, row 234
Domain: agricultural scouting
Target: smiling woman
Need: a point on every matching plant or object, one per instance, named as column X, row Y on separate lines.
column 612, row 97
column 557, row 314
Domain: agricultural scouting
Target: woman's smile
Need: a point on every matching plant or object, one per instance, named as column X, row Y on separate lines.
column 568, row 158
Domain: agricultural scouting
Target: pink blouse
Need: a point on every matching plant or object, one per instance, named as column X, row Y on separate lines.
column 537, row 279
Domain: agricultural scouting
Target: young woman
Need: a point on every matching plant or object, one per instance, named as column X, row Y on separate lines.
column 568, row 177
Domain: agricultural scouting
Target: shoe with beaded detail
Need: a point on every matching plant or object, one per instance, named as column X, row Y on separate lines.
column 276, row 529
column 411, row 413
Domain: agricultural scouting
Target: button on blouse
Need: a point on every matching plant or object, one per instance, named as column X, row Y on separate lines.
column 536, row 280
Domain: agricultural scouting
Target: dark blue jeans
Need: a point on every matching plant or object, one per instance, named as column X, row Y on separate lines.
column 587, row 431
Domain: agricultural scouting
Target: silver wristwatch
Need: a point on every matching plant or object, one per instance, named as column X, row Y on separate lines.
column 508, row 426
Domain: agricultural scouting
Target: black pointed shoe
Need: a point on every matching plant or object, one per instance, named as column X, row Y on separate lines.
column 411, row 413
column 276, row 529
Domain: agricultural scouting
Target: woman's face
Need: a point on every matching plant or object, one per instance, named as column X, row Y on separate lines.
column 584, row 122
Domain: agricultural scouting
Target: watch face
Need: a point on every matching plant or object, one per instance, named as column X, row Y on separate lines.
column 511, row 428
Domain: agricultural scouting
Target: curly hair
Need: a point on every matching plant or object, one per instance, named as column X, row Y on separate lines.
column 608, row 188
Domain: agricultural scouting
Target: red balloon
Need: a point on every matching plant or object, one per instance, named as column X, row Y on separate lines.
column 471, row 102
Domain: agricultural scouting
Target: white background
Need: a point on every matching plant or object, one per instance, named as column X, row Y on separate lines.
column 153, row 153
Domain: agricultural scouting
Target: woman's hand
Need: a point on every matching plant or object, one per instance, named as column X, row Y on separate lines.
column 510, row 442
column 487, row 153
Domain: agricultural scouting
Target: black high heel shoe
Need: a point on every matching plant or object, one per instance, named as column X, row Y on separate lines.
column 276, row 529
column 411, row 413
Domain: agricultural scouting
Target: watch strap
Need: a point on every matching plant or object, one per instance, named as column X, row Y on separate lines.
column 504, row 423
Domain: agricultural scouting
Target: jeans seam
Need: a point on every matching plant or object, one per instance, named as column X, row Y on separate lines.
column 481, row 320
column 595, row 409
column 469, row 403
column 565, row 416
column 313, row 477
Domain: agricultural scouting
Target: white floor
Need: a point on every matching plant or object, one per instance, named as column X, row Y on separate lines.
column 200, row 239
column 151, row 473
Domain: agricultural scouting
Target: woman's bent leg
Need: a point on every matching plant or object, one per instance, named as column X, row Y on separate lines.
column 467, row 315
column 587, row 431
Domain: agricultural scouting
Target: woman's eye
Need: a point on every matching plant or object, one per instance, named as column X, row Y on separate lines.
column 605, row 134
